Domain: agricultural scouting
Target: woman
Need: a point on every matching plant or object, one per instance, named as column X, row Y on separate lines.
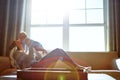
column 28, row 54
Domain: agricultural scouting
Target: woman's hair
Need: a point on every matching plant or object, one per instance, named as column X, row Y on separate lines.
column 24, row 33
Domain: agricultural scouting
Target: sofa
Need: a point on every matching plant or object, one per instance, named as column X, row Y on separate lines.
column 101, row 62
column 5, row 66
column 97, row 60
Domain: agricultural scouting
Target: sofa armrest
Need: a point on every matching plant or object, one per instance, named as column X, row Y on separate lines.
column 117, row 61
column 4, row 63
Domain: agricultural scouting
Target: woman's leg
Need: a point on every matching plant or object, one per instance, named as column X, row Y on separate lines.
column 54, row 56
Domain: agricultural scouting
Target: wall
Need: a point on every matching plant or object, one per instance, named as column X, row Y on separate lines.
column 97, row 60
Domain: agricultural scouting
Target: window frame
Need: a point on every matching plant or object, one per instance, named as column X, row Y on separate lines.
column 66, row 26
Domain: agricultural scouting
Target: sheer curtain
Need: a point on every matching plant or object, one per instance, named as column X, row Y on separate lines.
column 26, row 17
column 114, row 18
column 14, row 18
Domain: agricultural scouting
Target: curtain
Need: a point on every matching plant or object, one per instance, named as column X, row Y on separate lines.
column 114, row 17
column 3, row 12
column 26, row 16
column 13, row 19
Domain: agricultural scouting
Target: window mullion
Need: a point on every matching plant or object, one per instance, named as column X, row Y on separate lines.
column 66, row 31
column 105, row 8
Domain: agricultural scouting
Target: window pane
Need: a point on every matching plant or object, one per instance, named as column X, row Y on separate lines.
column 53, row 13
column 77, row 4
column 38, row 17
column 54, row 17
column 95, row 16
column 94, row 3
column 50, row 37
column 87, row 39
column 47, row 12
column 77, row 17
column 47, row 17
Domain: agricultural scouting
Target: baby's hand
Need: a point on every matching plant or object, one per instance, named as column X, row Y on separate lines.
column 44, row 52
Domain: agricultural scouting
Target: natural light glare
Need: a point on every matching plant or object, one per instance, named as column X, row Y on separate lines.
column 77, row 17
column 50, row 37
column 101, row 76
column 59, row 4
column 50, row 4
column 50, row 11
column 47, row 11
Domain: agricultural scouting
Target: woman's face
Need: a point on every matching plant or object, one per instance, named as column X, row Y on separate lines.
column 22, row 36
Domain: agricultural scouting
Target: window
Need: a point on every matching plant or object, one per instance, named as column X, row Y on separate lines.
column 73, row 25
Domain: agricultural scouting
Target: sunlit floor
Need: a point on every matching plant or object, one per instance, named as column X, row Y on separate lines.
column 91, row 76
column 8, row 77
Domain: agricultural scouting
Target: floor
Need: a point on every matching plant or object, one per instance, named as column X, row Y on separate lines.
column 91, row 76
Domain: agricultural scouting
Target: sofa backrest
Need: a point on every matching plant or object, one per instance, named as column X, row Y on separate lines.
column 97, row 60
